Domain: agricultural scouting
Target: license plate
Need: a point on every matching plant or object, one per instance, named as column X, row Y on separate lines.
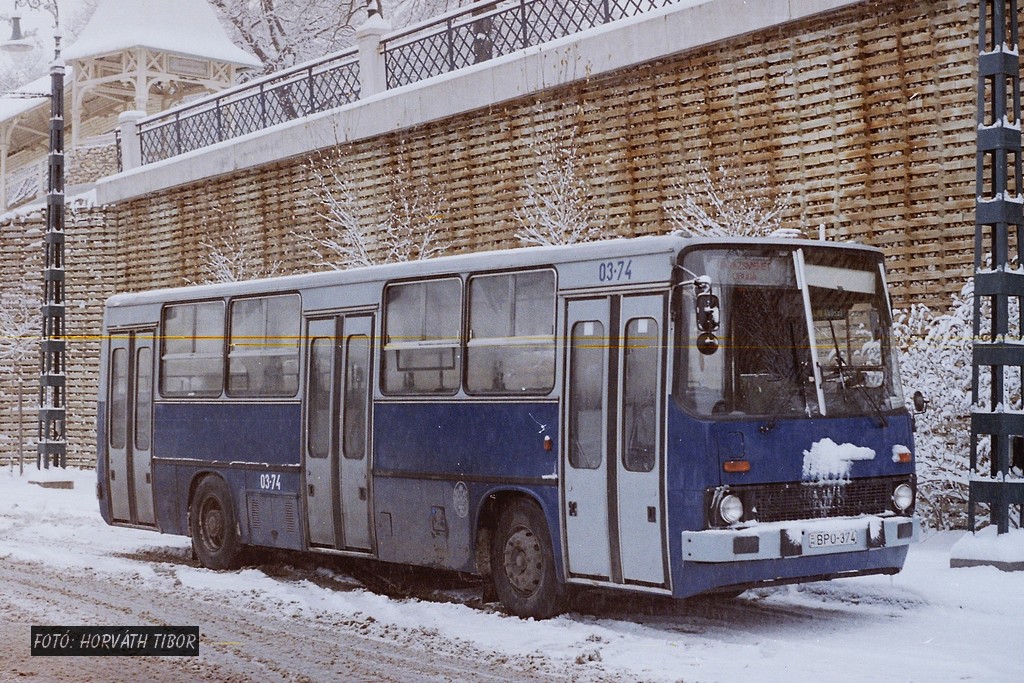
column 832, row 539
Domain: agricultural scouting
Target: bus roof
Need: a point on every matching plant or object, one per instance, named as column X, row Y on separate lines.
column 479, row 261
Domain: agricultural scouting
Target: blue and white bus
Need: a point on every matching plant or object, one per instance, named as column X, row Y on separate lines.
column 667, row 415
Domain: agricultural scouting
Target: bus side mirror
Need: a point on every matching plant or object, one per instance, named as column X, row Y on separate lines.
column 920, row 402
column 707, row 343
column 708, row 312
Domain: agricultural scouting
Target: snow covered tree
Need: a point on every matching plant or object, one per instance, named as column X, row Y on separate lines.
column 19, row 324
column 282, row 33
column 33, row 64
column 936, row 359
column 406, row 227
column 724, row 204
column 406, row 12
column 558, row 204
column 19, row 353
column 233, row 261
column 231, row 256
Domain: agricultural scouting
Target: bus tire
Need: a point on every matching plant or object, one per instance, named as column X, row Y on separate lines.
column 213, row 525
column 523, row 564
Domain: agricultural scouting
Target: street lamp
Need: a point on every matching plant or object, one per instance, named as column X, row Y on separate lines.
column 52, row 447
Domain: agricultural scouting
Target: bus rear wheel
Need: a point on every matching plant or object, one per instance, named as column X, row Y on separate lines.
column 214, row 529
column 523, row 564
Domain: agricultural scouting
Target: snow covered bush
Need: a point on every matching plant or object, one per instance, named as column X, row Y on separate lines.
column 229, row 255
column 405, row 227
column 233, row 261
column 558, row 204
column 19, row 324
column 723, row 204
column 19, row 358
column 936, row 359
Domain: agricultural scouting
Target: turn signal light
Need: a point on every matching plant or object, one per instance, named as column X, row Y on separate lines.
column 736, row 466
column 901, row 454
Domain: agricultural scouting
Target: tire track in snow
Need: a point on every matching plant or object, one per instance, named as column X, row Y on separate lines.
column 238, row 641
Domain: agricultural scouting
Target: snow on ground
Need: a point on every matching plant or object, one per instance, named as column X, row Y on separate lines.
column 929, row 623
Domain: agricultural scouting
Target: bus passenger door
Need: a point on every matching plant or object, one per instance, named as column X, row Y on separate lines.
column 641, row 411
column 585, row 504
column 613, row 472
column 129, row 427
column 319, row 453
column 337, row 415
column 355, row 430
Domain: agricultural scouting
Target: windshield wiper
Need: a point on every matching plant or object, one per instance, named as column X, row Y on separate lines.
column 801, row 383
column 842, row 368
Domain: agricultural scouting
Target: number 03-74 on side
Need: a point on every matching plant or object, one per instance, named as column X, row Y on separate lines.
column 615, row 271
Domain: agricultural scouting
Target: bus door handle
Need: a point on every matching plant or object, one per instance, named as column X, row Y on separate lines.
column 310, row 490
column 362, row 493
column 573, row 508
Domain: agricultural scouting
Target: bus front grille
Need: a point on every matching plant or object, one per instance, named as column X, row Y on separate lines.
column 844, row 498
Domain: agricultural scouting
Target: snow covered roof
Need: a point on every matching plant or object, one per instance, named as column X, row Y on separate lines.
column 187, row 27
column 12, row 103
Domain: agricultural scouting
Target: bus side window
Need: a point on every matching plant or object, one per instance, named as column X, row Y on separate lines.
column 586, row 394
column 639, row 397
column 511, row 347
column 357, row 398
column 423, row 338
column 264, row 355
column 318, row 440
column 143, row 398
column 118, row 398
column 192, row 362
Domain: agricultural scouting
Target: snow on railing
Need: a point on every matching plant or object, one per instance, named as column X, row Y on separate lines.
column 286, row 95
column 470, row 35
column 486, row 30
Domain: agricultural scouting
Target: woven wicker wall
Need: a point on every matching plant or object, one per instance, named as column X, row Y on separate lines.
column 865, row 116
column 90, row 256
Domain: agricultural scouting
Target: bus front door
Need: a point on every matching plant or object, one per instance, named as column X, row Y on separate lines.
column 337, row 418
column 129, row 427
column 612, row 495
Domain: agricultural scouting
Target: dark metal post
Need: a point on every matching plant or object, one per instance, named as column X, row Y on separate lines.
column 219, row 110
column 177, row 133
column 998, row 212
column 311, row 84
column 525, row 36
column 449, row 38
column 52, row 448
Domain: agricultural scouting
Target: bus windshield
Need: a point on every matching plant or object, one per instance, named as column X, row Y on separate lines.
column 798, row 332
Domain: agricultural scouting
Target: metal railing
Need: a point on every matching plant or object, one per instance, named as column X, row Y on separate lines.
column 473, row 34
column 488, row 30
column 258, row 104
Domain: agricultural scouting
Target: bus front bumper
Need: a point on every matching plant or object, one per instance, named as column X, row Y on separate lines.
column 801, row 538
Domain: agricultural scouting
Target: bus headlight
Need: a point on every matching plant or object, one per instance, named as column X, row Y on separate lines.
column 730, row 509
column 903, row 497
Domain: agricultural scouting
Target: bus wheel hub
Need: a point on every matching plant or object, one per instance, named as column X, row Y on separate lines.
column 524, row 562
column 213, row 523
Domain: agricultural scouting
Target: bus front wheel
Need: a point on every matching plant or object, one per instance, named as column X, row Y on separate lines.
column 214, row 529
column 523, row 564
